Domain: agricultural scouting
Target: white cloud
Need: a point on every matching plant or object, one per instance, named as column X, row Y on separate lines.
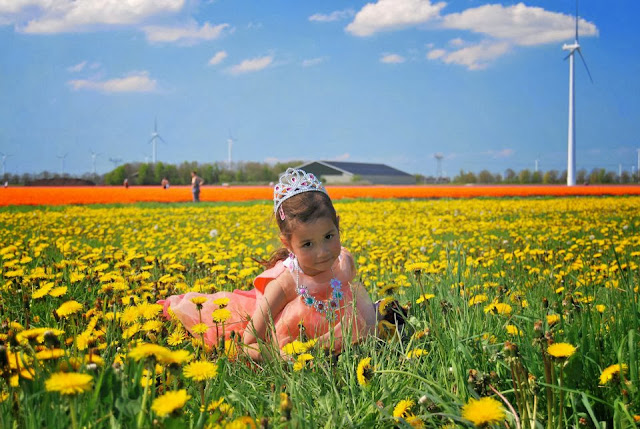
column 456, row 42
column 434, row 54
column 501, row 154
column 342, row 157
column 333, row 16
column 386, row 15
column 218, row 58
column 134, row 82
column 476, row 57
column 59, row 16
column 313, row 61
column 392, row 59
column 188, row 34
column 519, row 24
column 78, row 67
column 252, row 65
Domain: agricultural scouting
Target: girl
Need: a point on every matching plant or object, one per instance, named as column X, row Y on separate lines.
column 307, row 284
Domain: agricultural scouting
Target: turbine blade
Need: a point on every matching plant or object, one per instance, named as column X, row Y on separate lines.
column 585, row 65
column 576, row 20
column 161, row 139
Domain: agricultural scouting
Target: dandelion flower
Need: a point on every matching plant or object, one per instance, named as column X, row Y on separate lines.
column 221, row 315
column 402, row 409
column 610, row 372
column 365, row 371
column 68, row 308
column 68, row 383
column 552, row 319
column 58, row 291
column 199, row 328
column 415, row 353
column 561, row 350
column 478, row 299
column 498, row 308
column 221, row 302
column 484, row 411
column 199, row 300
column 162, row 354
column 170, row 402
column 425, row 297
column 49, row 354
column 176, row 338
column 513, row 330
column 201, row 370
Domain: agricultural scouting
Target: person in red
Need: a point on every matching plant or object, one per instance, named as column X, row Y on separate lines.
column 308, row 283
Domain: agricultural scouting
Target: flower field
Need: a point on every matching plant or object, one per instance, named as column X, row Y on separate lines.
column 52, row 195
column 520, row 313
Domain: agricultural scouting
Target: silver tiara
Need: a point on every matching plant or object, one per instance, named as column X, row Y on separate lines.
column 293, row 182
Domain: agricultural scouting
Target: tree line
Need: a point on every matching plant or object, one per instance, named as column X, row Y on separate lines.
column 260, row 173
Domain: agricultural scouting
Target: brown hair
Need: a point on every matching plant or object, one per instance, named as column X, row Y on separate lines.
column 304, row 207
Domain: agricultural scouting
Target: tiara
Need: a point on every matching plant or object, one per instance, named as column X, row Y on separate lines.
column 293, row 182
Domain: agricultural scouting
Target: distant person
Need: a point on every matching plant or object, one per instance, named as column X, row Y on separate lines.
column 196, row 182
column 126, row 183
column 6, row 184
column 165, row 183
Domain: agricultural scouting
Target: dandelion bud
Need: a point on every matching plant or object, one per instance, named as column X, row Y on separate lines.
column 545, row 303
column 511, row 348
column 537, row 327
column 285, row 406
column 582, row 421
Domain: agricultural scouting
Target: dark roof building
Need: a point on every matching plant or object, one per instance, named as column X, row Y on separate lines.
column 336, row 172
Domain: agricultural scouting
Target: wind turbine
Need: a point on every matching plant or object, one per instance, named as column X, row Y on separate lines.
column 93, row 160
column 4, row 161
column 62, row 157
column 571, row 138
column 230, row 142
column 115, row 161
column 438, row 156
column 154, row 137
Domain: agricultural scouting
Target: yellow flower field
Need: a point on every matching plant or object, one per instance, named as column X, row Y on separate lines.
column 529, row 302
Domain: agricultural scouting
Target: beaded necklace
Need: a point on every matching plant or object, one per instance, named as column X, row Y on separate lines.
column 328, row 307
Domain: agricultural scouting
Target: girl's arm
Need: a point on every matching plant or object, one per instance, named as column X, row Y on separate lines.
column 267, row 308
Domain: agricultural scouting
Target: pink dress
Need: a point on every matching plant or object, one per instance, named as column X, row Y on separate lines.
column 355, row 317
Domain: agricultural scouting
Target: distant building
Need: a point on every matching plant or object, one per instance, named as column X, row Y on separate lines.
column 337, row 172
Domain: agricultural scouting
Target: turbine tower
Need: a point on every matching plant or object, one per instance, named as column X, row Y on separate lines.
column 154, row 137
column 230, row 142
column 4, row 161
column 93, row 160
column 571, row 137
column 62, row 158
column 438, row 156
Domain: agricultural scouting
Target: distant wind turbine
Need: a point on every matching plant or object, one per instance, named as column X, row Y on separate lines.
column 62, row 158
column 571, row 138
column 438, row 156
column 230, row 142
column 93, row 160
column 115, row 161
column 154, row 137
column 4, row 161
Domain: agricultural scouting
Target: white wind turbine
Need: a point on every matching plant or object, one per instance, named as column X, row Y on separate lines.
column 93, row 160
column 4, row 161
column 230, row 142
column 62, row 158
column 154, row 137
column 571, row 138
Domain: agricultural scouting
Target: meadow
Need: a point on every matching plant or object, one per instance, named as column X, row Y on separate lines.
column 521, row 313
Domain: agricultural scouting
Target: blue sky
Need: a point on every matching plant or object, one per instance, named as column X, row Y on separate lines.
column 392, row 81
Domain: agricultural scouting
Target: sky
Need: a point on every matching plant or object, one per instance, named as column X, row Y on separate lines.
column 484, row 84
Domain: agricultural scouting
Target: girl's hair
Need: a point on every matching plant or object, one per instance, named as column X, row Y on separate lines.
column 304, row 207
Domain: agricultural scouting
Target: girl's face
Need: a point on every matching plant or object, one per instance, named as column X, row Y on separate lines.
column 316, row 245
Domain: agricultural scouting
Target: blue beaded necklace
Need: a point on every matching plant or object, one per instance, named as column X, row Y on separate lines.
column 328, row 307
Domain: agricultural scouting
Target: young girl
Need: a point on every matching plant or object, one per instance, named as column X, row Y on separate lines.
column 307, row 284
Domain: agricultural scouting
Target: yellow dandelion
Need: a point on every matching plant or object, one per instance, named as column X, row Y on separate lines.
column 68, row 308
column 424, row 297
column 170, row 402
column 199, row 300
column 162, row 354
column 68, row 383
column 382, row 305
column 402, row 409
column 484, row 411
column 199, row 328
column 498, row 308
column 478, row 299
column 152, row 326
column 221, row 315
column 201, row 370
column 49, row 354
column 365, row 372
column 58, row 291
column 416, row 353
column 611, row 372
column 414, row 421
column 601, row 308
column 176, row 338
column 513, row 330
column 552, row 319
column 561, row 350
column 221, row 302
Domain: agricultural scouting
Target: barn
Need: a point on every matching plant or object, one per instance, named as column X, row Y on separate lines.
column 338, row 172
